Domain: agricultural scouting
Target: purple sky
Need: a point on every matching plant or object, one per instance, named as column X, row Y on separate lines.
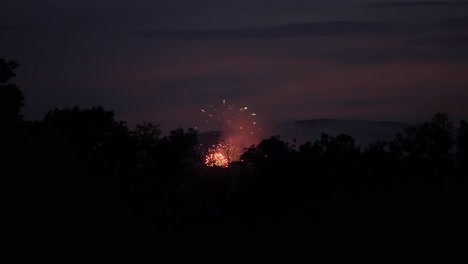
column 162, row 61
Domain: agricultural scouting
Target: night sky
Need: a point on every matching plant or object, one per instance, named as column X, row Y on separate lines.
column 162, row 61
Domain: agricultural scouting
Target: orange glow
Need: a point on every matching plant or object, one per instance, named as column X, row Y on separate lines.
column 216, row 157
column 238, row 129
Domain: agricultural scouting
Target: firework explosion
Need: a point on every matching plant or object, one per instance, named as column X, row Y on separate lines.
column 237, row 130
column 216, row 157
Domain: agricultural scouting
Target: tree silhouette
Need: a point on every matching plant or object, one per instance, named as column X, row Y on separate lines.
column 272, row 149
column 179, row 148
column 12, row 98
column 80, row 173
column 12, row 140
column 462, row 147
column 84, row 157
column 432, row 140
column 382, row 165
column 339, row 147
column 147, row 140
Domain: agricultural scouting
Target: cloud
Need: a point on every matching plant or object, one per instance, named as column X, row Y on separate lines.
column 12, row 29
column 402, row 4
column 282, row 31
column 453, row 23
column 443, row 41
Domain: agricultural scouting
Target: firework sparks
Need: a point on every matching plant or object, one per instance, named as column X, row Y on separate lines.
column 216, row 157
column 237, row 128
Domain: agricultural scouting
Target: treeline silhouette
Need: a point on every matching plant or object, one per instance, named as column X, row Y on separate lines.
column 80, row 184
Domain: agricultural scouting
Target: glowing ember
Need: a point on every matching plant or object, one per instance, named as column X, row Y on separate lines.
column 216, row 157
column 237, row 129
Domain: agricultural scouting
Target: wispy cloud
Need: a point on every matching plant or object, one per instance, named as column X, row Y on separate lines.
column 282, row 31
column 444, row 41
column 12, row 29
column 440, row 3
column 453, row 23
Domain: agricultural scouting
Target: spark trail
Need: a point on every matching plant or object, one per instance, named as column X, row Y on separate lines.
column 237, row 128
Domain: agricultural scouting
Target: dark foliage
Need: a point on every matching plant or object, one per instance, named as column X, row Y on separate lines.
column 80, row 185
column 11, row 97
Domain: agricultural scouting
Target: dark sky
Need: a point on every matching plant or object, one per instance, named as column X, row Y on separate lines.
column 162, row 61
